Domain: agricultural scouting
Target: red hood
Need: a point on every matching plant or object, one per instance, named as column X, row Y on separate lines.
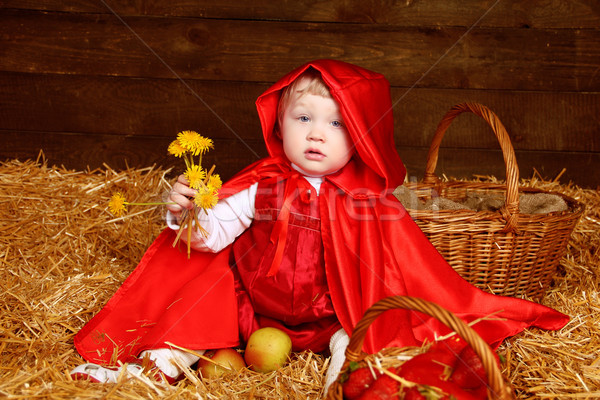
column 366, row 107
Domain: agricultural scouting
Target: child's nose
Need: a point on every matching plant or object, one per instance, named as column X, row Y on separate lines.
column 316, row 133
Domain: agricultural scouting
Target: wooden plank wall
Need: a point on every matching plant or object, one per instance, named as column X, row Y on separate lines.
column 94, row 81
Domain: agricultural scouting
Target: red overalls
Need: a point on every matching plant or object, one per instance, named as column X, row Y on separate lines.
column 296, row 298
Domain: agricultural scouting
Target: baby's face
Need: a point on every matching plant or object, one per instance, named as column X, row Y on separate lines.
column 314, row 136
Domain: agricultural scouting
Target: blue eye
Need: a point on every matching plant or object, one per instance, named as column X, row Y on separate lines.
column 303, row 118
column 337, row 124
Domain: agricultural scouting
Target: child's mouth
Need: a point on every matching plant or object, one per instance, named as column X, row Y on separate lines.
column 314, row 155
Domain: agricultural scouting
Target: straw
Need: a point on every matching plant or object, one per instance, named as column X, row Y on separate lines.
column 62, row 255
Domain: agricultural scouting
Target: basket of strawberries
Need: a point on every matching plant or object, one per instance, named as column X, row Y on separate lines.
column 462, row 366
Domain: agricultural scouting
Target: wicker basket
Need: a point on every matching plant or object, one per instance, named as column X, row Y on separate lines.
column 498, row 388
column 504, row 252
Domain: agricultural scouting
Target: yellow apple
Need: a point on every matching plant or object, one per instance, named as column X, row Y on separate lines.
column 267, row 349
column 222, row 361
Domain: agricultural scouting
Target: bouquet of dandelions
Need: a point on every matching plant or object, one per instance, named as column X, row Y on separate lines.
column 190, row 146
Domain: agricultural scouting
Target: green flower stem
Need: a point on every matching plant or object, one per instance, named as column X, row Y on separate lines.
column 148, row 204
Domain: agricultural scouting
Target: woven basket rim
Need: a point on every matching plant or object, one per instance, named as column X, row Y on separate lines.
column 576, row 208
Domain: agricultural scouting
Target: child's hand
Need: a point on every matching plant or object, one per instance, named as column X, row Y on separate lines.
column 180, row 194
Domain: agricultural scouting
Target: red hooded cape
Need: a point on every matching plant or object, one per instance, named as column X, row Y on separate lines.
column 373, row 249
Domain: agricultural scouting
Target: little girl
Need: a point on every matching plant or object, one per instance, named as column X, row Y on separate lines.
column 304, row 240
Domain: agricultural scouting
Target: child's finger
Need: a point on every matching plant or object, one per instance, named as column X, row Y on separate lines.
column 176, row 204
column 182, row 179
column 175, row 209
column 184, row 190
column 181, row 194
column 182, row 198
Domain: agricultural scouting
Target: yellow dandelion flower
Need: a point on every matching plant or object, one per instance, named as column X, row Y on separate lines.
column 195, row 175
column 203, row 145
column 206, row 198
column 176, row 149
column 116, row 205
column 194, row 143
column 188, row 140
column 214, row 181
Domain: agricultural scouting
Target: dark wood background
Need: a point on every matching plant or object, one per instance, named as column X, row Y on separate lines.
column 112, row 81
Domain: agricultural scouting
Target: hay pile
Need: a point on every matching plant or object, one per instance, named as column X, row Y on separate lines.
column 62, row 255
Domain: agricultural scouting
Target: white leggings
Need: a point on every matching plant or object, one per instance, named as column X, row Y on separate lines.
column 170, row 360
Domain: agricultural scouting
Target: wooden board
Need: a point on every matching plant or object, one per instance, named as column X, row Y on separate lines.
column 230, row 156
column 562, row 121
column 555, row 121
column 81, row 151
column 494, row 13
column 126, row 106
column 441, row 57
column 580, row 167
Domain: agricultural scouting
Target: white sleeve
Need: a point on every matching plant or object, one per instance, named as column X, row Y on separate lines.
column 337, row 348
column 224, row 222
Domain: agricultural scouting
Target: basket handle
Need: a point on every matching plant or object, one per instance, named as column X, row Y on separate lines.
column 511, row 205
column 497, row 389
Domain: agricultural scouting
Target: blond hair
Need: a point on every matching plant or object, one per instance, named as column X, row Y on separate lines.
column 316, row 86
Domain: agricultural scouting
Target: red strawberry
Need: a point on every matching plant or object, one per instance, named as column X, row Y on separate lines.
column 413, row 394
column 428, row 368
column 371, row 394
column 359, row 380
column 452, row 345
column 386, row 383
column 469, row 372
column 384, row 388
